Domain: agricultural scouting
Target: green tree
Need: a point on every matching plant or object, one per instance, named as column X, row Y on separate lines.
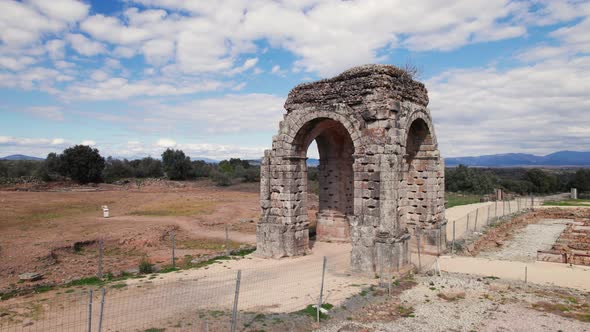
column 225, row 167
column 541, row 181
column 581, row 180
column 82, row 164
column 147, row 168
column 220, row 178
column 116, row 169
column 201, row 169
column 3, row 169
column 472, row 180
column 176, row 165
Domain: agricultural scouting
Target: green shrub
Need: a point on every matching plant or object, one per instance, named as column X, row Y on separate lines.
column 145, row 266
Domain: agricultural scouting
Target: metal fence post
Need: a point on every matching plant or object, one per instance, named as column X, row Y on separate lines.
column 467, row 226
column 419, row 258
column 321, row 290
column 439, row 240
column 476, row 217
column 102, row 294
column 488, row 221
column 227, row 251
column 100, row 246
column 496, row 210
column 453, row 246
column 172, row 236
column 234, row 313
column 90, row 310
column 526, row 274
column 381, row 267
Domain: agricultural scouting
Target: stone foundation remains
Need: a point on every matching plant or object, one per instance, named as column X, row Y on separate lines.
column 381, row 177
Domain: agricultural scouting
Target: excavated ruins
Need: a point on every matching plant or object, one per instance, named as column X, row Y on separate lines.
column 381, row 177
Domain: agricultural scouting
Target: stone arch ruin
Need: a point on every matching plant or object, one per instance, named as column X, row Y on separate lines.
column 381, row 176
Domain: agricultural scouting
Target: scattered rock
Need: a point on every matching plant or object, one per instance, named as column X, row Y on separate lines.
column 452, row 295
column 30, row 276
column 499, row 287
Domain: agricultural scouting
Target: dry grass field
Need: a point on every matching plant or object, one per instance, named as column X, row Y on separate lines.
column 55, row 229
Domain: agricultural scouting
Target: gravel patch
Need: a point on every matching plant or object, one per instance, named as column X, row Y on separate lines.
column 488, row 305
column 518, row 319
column 524, row 245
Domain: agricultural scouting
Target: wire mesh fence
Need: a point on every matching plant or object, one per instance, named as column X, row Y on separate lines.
column 488, row 215
column 230, row 295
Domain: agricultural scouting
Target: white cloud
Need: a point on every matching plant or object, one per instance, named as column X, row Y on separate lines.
column 88, row 142
column 227, row 115
column 202, row 39
column 136, row 149
column 41, row 78
column 64, row 10
column 16, row 63
column 48, row 112
column 124, row 52
column 158, row 52
column 37, row 147
column 21, row 24
column 57, row 141
column 113, row 88
column 240, row 113
column 327, row 36
column 85, row 46
column 99, row 75
column 55, row 48
column 111, row 30
column 535, row 108
column 166, row 143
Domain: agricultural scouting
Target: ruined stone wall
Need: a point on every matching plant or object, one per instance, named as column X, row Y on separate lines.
column 422, row 183
column 361, row 120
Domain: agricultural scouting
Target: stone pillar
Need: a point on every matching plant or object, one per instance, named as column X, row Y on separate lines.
column 499, row 195
column 367, row 190
column 284, row 228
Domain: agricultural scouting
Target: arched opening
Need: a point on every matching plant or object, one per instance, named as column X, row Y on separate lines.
column 334, row 177
column 417, row 171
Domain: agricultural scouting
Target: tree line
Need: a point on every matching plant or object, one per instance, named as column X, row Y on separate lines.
column 84, row 164
column 517, row 180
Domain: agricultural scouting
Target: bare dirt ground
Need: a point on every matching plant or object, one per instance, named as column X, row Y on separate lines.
column 458, row 302
column 53, row 229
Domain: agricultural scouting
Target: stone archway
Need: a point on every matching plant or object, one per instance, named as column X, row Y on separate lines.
column 422, row 172
column 335, row 176
column 362, row 121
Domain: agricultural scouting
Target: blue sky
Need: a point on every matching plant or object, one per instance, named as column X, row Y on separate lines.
column 134, row 77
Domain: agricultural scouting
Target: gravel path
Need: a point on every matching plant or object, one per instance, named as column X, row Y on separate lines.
column 523, row 247
column 487, row 305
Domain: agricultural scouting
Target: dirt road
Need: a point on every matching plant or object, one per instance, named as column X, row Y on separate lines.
column 537, row 272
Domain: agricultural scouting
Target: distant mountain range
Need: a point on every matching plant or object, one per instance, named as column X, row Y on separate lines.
column 21, row 157
column 557, row 159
